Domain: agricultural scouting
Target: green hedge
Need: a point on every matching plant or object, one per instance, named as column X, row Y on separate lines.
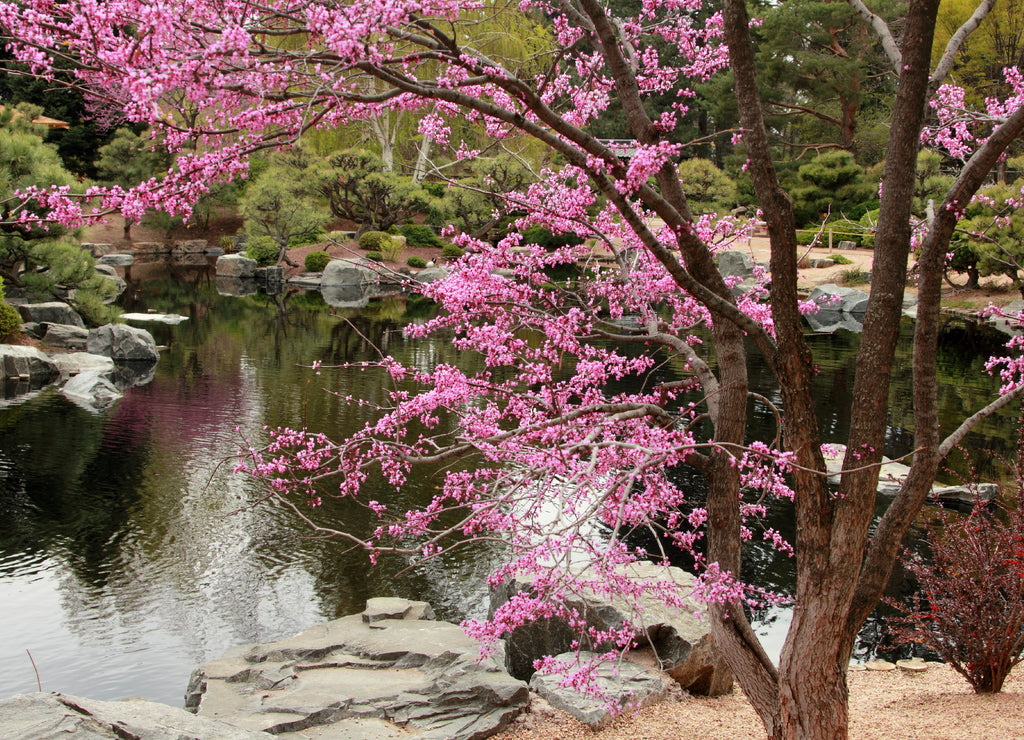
column 375, row 241
column 316, row 261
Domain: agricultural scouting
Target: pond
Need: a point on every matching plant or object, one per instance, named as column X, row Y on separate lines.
column 129, row 552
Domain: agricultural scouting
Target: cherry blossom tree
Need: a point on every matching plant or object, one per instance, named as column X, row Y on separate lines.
column 550, row 440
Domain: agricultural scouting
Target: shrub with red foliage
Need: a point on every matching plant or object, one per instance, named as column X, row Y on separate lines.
column 970, row 606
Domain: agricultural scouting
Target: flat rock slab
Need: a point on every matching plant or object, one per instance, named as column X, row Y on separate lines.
column 65, row 717
column 357, row 678
column 158, row 318
column 73, row 363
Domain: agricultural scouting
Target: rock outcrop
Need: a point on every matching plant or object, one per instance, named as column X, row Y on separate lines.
column 838, row 308
column 683, row 644
column 26, row 365
column 50, row 312
column 344, row 272
column 60, row 716
column 622, row 684
column 65, row 336
column 123, row 343
column 389, row 670
column 236, row 266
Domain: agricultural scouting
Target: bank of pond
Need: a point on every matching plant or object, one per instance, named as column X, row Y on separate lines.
column 129, row 552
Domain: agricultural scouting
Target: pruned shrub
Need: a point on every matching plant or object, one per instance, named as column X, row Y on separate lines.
column 10, row 319
column 375, row 256
column 374, row 241
column 854, row 276
column 840, row 259
column 416, row 261
column 549, row 240
column 970, row 605
column 316, row 261
column 420, row 235
column 392, row 252
column 305, row 239
column 264, row 249
column 451, row 251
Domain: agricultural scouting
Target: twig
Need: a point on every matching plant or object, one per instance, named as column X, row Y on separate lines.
column 39, row 683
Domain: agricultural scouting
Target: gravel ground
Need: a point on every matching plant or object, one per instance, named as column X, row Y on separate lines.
column 934, row 705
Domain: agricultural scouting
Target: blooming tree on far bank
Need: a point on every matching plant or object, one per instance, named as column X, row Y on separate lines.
column 554, row 440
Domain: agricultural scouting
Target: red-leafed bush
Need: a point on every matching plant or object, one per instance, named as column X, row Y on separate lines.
column 970, row 607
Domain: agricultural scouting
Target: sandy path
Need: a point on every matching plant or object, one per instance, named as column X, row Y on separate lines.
column 935, row 705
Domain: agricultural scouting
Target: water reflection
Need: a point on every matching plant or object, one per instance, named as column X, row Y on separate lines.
column 129, row 552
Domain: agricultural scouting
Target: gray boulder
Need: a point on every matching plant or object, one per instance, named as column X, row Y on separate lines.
column 1009, row 326
column 343, row 272
column 964, row 497
column 34, row 329
column 119, row 259
column 91, row 391
column 683, row 645
column 26, row 364
column 838, row 298
column 66, row 336
column 236, row 266
column 432, row 274
column 354, row 677
column 840, row 308
column 50, row 312
column 59, row 716
column 734, row 263
column 121, row 342
column 622, row 684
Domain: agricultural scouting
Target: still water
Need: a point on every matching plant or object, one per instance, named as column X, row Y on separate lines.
column 129, row 552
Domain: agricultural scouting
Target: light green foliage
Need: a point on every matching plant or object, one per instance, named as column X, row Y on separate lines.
column 996, row 44
column 10, row 319
column 282, row 202
column 42, row 260
column 357, row 188
column 477, row 205
column 840, row 259
column 375, row 256
column 71, row 267
column 991, row 236
column 707, row 188
column 416, row 261
column 393, row 251
column 832, row 186
column 419, row 235
column 131, row 158
column 24, row 161
column 930, row 185
column 451, row 251
column 375, row 241
column 264, row 249
column 316, row 261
